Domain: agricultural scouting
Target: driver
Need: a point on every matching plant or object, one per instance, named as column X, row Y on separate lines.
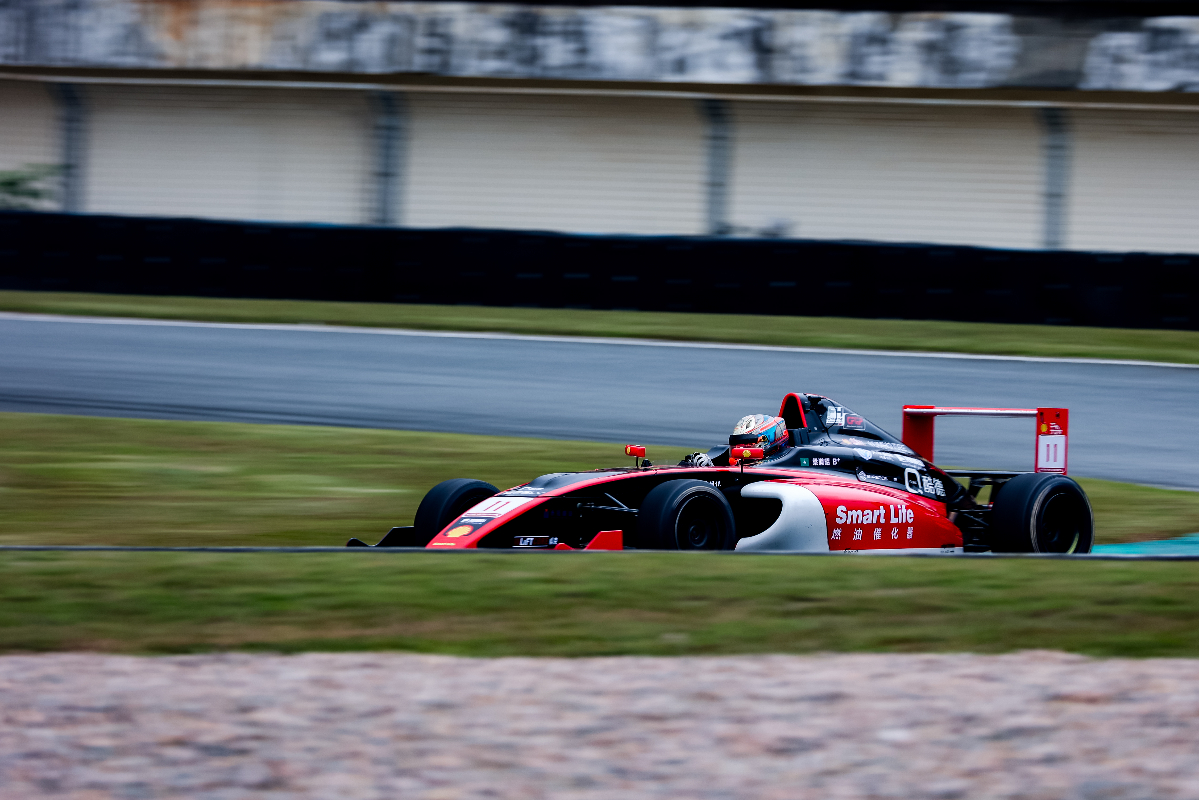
column 760, row 430
column 756, row 430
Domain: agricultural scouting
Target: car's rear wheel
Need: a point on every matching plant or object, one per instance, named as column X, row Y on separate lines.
column 444, row 503
column 685, row 515
column 1042, row 513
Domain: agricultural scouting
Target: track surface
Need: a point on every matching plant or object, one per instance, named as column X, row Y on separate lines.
column 1128, row 422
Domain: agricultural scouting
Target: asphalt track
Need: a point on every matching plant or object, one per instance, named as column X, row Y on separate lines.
column 1129, row 421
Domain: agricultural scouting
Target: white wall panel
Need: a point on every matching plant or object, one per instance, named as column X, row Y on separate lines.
column 1134, row 181
column 28, row 126
column 598, row 165
column 259, row 154
column 29, row 133
column 901, row 174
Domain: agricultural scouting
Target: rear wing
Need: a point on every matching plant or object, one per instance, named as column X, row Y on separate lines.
column 1051, row 435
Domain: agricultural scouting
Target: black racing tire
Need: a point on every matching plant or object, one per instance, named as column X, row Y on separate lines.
column 444, row 503
column 1042, row 513
column 686, row 515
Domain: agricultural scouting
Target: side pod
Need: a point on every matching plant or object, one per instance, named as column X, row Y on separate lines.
column 800, row 526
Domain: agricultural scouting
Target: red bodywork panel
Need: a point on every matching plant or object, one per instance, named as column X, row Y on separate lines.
column 868, row 517
column 894, row 515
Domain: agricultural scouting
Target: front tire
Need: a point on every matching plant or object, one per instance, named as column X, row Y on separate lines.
column 1042, row 513
column 686, row 515
column 444, row 503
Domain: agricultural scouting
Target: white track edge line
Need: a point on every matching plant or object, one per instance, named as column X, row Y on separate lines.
column 605, row 340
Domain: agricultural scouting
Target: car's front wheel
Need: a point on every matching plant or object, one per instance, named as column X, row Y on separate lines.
column 685, row 515
column 444, row 503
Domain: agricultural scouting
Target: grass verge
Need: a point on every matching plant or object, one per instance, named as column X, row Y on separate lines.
column 92, row 480
column 962, row 337
column 574, row 604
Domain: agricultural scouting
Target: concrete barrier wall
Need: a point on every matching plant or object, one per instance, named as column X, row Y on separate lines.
column 686, row 45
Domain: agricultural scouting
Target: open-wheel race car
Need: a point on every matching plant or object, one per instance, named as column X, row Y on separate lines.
column 815, row 478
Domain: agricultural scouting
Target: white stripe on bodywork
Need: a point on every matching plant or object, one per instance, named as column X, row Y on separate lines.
column 905, row 551
column 800, row 526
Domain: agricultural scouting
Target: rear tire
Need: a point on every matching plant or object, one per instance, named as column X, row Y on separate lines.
column 1042, row 513
column 444, row 503
column 685, row 515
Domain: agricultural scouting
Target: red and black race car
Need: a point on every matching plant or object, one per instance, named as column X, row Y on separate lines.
column 815, row 478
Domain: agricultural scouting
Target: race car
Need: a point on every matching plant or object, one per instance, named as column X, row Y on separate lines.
column 816, row 477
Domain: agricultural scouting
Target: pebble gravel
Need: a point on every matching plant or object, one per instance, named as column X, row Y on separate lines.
column 388, row 725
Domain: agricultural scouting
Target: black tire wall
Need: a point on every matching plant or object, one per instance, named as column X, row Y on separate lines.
column 133, row 255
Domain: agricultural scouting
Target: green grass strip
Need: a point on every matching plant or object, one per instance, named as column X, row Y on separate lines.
column 582, row 604
column 93, row 480
column 871, row 334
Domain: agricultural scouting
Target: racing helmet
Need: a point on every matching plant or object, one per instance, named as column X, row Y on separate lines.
column 761, row 430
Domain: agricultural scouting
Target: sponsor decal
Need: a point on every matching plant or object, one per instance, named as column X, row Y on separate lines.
column 459, row 530
column 894, row 447
column 498, row 506
column 857, row 534
column 850, row 440
column 835, row 416
column 889, row 514
column 532, row 541
column 853, row 421
column 836, row 533
column 472, row 521
column 910, row 529
column 865, row 455
column 714, row 483
column 895, row 533
column 522, row 491
column 878, row 534
column 898, row 459
column 923, row 484
column 865, row 476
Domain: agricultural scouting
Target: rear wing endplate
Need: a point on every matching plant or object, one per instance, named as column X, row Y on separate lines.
column 1051, row 438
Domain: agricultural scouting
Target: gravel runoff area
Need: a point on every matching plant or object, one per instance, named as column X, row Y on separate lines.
column 386, row 725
